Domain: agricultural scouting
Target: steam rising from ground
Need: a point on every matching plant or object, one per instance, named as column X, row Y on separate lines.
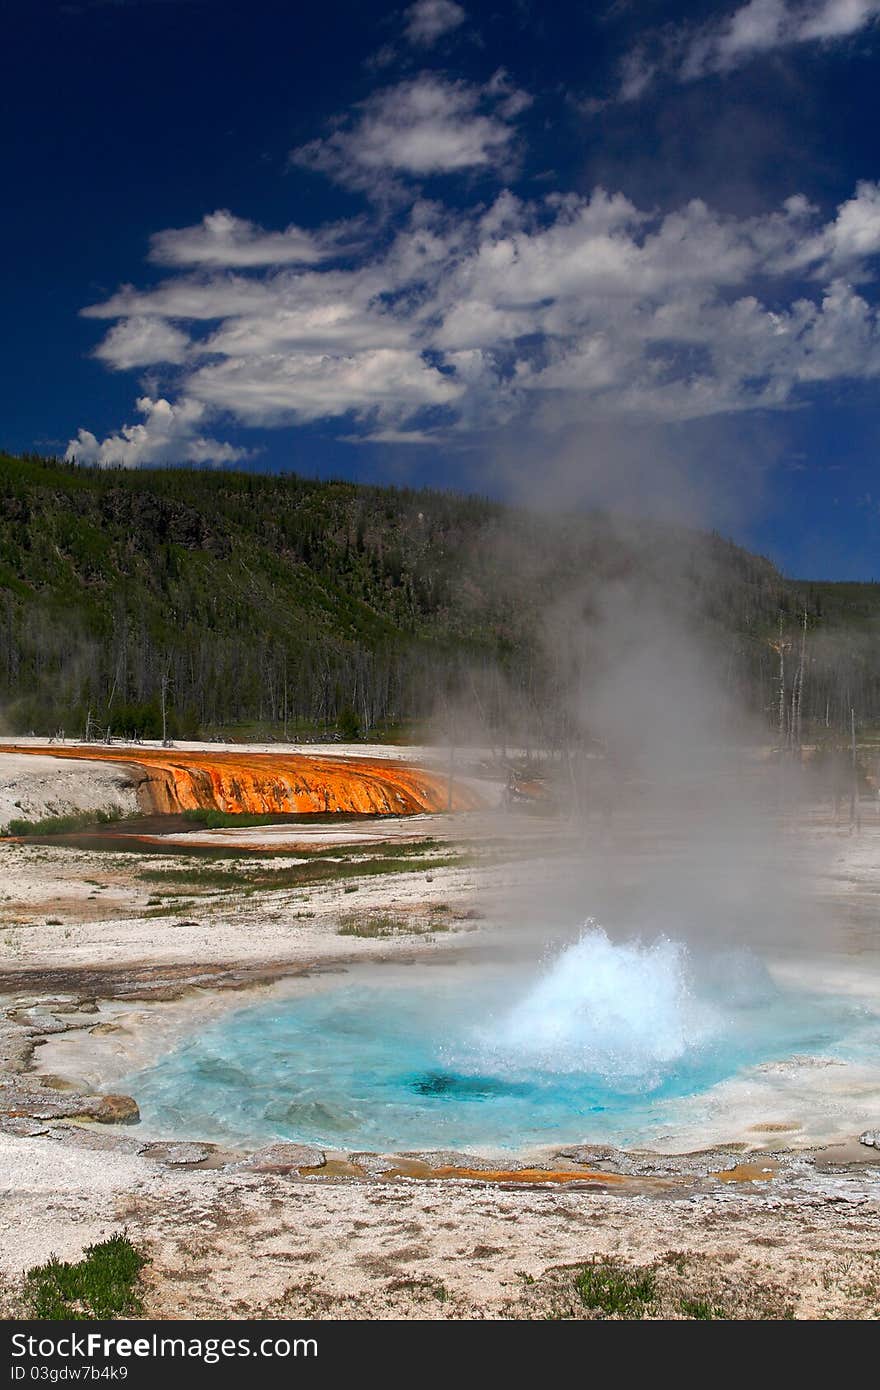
column 671, row 804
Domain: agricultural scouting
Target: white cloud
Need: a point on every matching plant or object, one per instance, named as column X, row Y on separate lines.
column 855, row 232
column 754, row 29
column 834, row 19
column 512, row 100
column 419, row 128
column 428, row 20
column 637, row 72
column 169, row 434
column 331, row 323
column 392, row 436
column 386, row 384
column 142, row 341
column 464, row 320
column 223, row 240
column 185, row 297
column 844, row 245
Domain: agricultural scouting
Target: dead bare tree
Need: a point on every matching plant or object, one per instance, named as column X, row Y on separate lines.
column 166, row 679
column 855, row 815
column 798, row 688
column 781, row 645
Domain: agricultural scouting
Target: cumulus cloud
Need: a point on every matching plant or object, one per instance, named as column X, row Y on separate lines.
column 223, row 240
column 419, row 128
column 460, row 321
column 169, row 433
column 142, row 341
column 754, row 29
column 854, row 235
column 428, row 20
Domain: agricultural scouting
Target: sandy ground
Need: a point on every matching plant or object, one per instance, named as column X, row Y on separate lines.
column 793, row 1232
column 53, row 916
column 229, row 1244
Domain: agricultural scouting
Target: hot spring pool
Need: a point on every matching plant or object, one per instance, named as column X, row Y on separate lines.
column 603, row 1042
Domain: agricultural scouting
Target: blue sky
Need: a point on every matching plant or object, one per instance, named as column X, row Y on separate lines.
column 621, row 253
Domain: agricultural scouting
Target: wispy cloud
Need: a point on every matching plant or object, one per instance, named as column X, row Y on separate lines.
column 221, row 239
column 390, row 436
column 419, row 128
column 428, row 20
column 688, row 52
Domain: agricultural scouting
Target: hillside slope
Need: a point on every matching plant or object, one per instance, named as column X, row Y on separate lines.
column 287, row 602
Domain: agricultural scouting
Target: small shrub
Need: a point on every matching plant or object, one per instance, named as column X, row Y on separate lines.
column 349, row 725
column 103, row 1284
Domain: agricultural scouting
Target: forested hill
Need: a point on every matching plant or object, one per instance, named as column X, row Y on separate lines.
column 286, row 603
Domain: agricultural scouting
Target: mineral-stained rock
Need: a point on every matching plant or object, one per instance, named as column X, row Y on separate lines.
column 284, row 1158
column 35, row 1102
column 20, row 1098
column 177, row 1154
column 420, row 1163
column 16, row 1048
column 705, row 1163
column 57, row 1083
column 105, row 1140
column 41, row 1024
column 452, row 1158
column 591, row 1155
column 24, row 1128
column 114, row 1110
column 374, row 1164
column 871, row 1137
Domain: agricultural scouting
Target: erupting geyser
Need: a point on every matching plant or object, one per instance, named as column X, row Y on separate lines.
column 613, row 1041
column 623, row 1012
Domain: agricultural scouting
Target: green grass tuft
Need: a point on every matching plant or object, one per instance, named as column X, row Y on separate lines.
column 103, row 1284
column 62, row 825
column 615, row 1292
column 699, row 1308
column 322, row 866
column 385, row 924
column 220, row 820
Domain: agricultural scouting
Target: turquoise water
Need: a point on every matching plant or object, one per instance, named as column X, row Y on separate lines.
column 596, row 1043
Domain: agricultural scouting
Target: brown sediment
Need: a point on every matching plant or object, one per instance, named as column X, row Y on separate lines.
column 161, row 982
column 171, row 781
column 520, row 1175
column 748, row 1172
column 334, row 1168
